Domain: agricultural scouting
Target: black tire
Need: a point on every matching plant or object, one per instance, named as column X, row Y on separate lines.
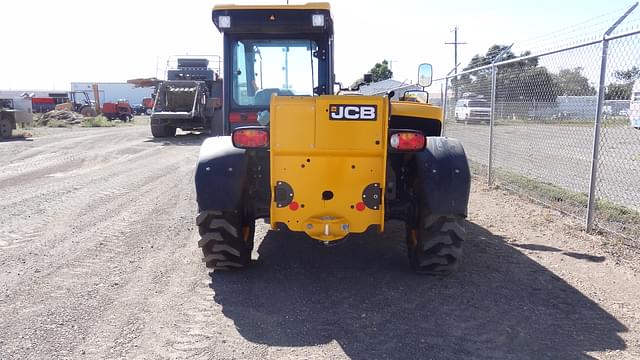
column 225, row 241
column 160, row 131
column 88, row 111
column 435, row 248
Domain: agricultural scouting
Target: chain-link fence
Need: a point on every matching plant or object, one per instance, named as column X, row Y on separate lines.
column 558, row 126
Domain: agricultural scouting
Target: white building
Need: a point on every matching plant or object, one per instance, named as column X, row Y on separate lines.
column 112, row 92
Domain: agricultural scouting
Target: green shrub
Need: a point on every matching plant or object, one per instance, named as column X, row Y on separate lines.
column 97, row 121
column 58, row 124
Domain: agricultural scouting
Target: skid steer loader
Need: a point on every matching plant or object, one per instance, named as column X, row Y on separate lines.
column 310, row 161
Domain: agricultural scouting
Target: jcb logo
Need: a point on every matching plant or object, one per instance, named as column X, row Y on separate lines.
column 352, row 112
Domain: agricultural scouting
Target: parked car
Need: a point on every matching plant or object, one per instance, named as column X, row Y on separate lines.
column 138, row 109
column 473, row 110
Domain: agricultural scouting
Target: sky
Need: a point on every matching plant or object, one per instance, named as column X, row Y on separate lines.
column 49, row 44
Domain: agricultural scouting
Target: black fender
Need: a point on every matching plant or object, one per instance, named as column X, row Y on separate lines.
column 444, row 179
column 220, row 175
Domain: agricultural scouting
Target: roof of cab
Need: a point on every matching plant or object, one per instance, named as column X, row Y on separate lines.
column 307, row 6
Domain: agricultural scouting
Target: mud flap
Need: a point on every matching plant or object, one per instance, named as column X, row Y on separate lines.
column 444, row 179
column 220, row 175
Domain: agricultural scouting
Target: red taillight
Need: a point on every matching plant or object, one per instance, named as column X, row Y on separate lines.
column 407, row 141
column 250, row 138
column 240, row 117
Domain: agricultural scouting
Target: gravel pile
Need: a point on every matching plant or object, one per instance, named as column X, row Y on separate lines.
column 68, row 117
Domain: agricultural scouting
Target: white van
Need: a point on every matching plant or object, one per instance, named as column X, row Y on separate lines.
column 473, row 110
column 634, row 107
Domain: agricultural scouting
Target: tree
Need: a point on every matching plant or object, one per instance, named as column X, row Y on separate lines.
column 517, row 81
column 492, row 53
column 381, row 71
column 573, row 83
column 621, row 88
column 630, row 75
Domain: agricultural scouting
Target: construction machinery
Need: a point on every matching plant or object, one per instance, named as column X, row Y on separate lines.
column 189, row 99
column 306, row 160
column 147, row 105
column 14, row 111
column 80, row 102
column 118, row 110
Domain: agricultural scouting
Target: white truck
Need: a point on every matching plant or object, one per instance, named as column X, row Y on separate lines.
column 474, row 109
column 14, row 111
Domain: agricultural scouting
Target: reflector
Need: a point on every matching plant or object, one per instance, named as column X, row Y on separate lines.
column 236, row 117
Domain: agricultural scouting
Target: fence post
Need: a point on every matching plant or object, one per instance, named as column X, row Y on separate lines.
column 598, row 120
column 492, row 114
column 444, row 104
column 491, row 123
column 444, row 100
column 596, row 137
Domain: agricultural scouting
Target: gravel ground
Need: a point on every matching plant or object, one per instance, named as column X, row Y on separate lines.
column 98, row 259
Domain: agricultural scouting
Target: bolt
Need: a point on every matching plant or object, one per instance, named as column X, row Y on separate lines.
column 345, row 228
column 309, row 226
column 230, row 169
column 208, row 168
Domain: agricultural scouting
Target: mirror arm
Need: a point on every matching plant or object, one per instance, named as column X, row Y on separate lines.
column 357, row 87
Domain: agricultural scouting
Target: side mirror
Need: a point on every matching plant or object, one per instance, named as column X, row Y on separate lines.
column 424, row 75
column 367, row 78
column 418, row 96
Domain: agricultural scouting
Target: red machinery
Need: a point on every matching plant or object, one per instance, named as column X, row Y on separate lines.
column 118, row 110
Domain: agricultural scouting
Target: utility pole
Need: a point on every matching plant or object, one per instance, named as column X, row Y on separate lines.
column 455, row 44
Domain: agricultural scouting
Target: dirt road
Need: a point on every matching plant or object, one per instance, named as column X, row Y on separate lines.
column 98, row 259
